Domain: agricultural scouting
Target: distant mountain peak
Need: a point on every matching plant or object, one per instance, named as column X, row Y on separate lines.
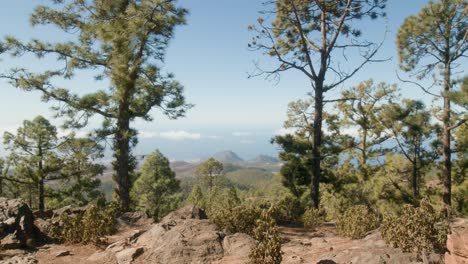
column 227, row 157
column 265, row 159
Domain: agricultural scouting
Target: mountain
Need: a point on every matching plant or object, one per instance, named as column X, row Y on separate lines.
column 184, row 169
column 227, row 157
column 264, row 159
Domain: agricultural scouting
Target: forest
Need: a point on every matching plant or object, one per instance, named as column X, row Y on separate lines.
column 402, row 169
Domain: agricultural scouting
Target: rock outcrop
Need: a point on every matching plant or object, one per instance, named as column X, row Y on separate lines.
column 184, row 236
column 16, row 224
column 457, row 243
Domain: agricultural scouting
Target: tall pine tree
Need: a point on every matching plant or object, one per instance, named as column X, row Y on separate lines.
column 122, row 41
column 312, row 37
column 435, row 41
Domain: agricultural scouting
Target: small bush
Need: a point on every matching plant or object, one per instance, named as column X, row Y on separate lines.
column 357, row 221
column 238, row 219
column 288, row 210
column 312, row 218
column 415, row 230
column 87, row 227
column 267, row 249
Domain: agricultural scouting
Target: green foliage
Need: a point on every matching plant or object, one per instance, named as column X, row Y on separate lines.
column 297, row 148
column 267, row 249
column 431, row 45
column 460, row 179
column 357, row 221
column 411, row 127
column 91, row 226
column 80, row 184
column 312, row 218
column 207, row 172
column 308, row 37
column 250, row 178
column 415, row 229
column 227, row 211
column 196, row 197
column 289, row 209
column 123, row 42
column 362, row 108
column 155, row 191
column 33, row 151
column 424, row 38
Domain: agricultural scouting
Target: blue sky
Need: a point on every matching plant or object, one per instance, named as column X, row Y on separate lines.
column 209, row 56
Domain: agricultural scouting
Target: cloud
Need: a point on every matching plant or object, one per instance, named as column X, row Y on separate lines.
column 241, row 134
column 170, row 135
column 351, row 131
column 78, row 134
column 212, row 137
column 11, row 129
column 247, row 142
column 284, row 131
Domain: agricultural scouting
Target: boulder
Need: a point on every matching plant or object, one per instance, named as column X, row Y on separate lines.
column 127, row 256
column 457, row 243
column 16, row 224
column 181, row 238
column 27, row 259
column 237, row 248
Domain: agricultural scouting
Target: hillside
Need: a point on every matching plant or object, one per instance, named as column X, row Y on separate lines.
column 227, row 157
column 246, row 173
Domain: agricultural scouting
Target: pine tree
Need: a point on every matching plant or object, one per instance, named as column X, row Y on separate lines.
column 297, row 147
column 433, row 40
column 79, row 172
column 33, row 149
column 411, row 128
column 207, row 171
column 156, row 189
column 311, row 37
column 121, row 41
column 361, row 109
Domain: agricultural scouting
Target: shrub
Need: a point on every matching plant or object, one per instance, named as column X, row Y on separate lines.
column 312, row 218
column 288, row 210
column 415, row 230
column 357, row 221
column 237, row 219
column 88, row 227
column 267, row 249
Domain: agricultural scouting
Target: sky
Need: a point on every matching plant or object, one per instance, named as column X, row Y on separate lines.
column 210, row 57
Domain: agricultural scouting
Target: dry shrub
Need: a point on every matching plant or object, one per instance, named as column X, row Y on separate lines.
column 312, row 218
column 91, row 226
column 236, row 219
column 415, row 229
column 357, row 221
column 267, row 249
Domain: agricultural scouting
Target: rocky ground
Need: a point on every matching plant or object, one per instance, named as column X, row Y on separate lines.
column 186, row 236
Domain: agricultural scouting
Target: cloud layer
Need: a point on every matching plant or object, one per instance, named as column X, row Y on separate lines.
column 170, row 135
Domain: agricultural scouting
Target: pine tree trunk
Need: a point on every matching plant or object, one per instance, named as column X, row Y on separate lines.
column 414, row 181
column 41, row 195
column 317, row 139
column 41, row 182
column 122, row 155
column 446, row 141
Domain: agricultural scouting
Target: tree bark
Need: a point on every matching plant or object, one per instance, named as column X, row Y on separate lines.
column 122, row 155
column 41, row 183
column 317, row 139
column 414, row 182
column 446, row 141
